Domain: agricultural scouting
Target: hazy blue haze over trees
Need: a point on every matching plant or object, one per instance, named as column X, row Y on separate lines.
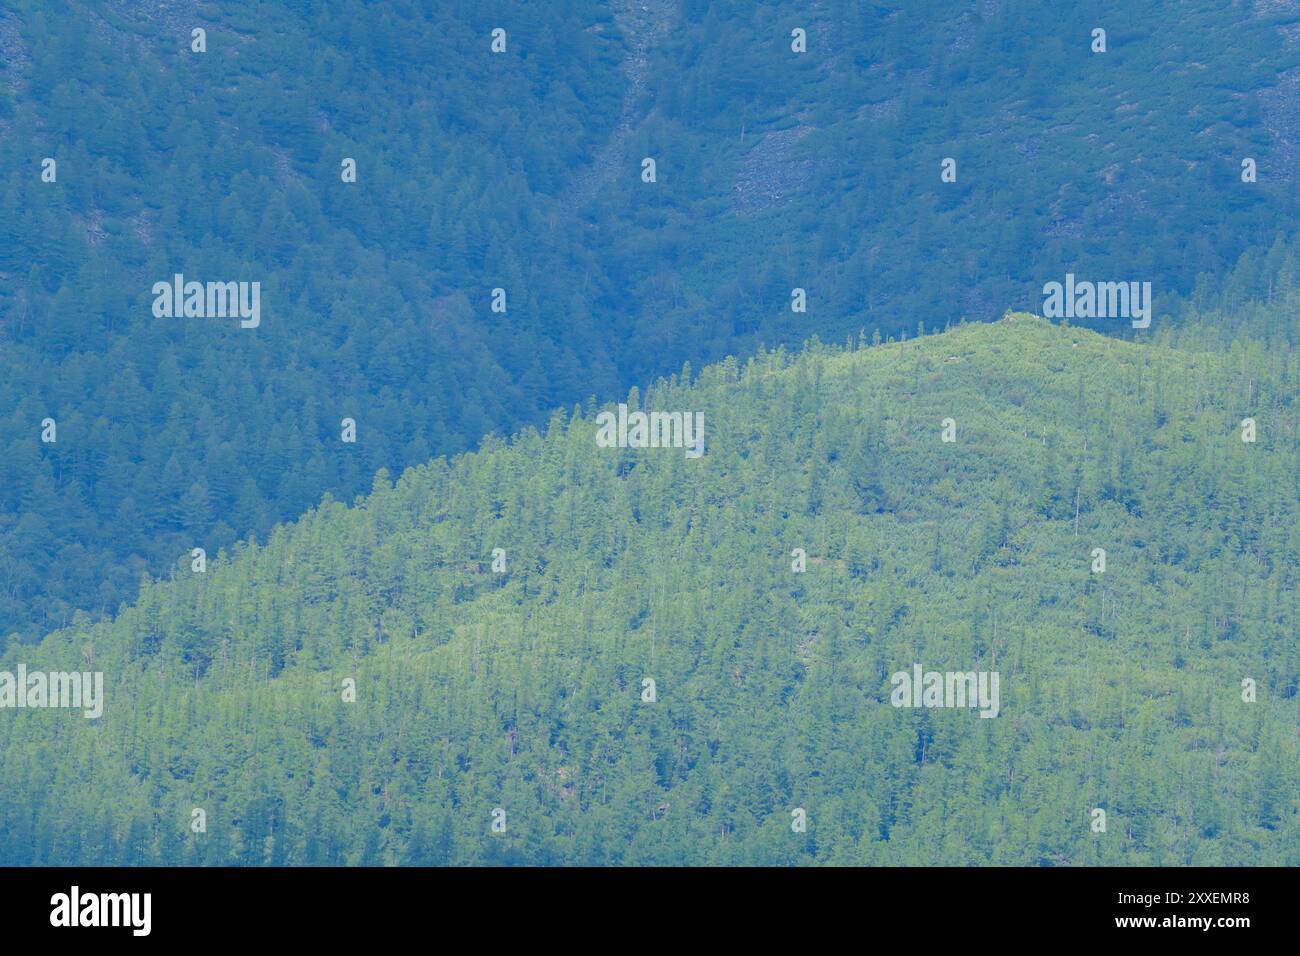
column 520, row 171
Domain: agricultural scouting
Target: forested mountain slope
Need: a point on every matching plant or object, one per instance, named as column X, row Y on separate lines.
column 522, row 691
column 522, row 171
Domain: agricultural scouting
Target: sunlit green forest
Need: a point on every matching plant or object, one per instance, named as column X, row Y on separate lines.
column 521, row 689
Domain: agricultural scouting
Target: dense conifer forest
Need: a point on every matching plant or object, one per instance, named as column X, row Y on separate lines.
column 521, row 172
column 521, row 687
column 393, row 575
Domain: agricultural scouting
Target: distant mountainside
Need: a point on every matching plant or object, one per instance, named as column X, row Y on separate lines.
column 499, row 710
column 522, row 171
